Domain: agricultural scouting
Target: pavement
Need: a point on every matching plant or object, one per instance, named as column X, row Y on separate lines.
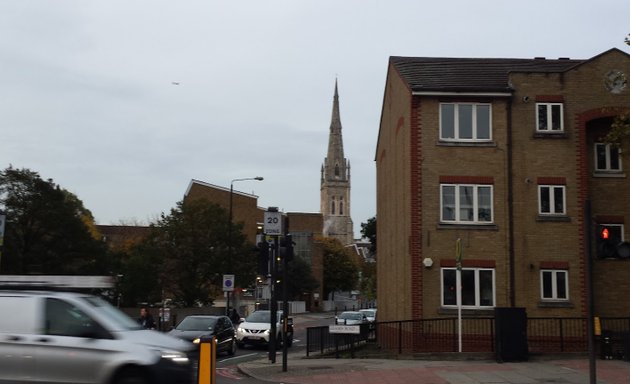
column 573, row 370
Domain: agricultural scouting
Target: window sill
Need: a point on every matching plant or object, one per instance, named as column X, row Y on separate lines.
column 608, row 174
column 489, row 227
column 553, row 219
column 481, row 312
column 466, row 143
column 550, row 135
column 555, row 304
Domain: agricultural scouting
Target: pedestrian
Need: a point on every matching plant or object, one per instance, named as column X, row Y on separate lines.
column 145, row 319
column 234, row 316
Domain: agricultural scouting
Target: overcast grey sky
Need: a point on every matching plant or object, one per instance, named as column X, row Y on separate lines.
column 87, row 93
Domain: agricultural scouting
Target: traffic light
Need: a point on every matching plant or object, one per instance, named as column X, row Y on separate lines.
column 609, row 244
column 263, row 258
column 286, row 248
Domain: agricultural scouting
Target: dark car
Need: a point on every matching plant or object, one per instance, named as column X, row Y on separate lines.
column 194, row 327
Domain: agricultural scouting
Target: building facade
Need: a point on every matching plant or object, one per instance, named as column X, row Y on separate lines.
column 501, row 159
column 335, row 183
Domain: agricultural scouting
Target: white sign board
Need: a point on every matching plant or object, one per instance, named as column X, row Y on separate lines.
column 228, row 283
column 273, row 223
column 351, row 329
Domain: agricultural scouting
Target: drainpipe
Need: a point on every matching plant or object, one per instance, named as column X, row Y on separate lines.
column 510, row 186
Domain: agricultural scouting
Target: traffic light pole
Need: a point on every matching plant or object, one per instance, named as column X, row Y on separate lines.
column 285, row 309
column 274, row 301
column 590, row 323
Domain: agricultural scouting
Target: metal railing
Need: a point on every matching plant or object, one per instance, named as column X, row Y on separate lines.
column 544, row 335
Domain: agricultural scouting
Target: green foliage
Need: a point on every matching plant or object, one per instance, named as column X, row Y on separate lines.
column 186, row 255
column 340, row 269
column 48, row 230
column 368, row 280
column 300, row 279
column 368, row 231
column 619, row 130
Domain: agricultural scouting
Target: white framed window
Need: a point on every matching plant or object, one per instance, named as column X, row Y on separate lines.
column 465, row 122
column 607, row 157
column 478, row 287
column 466, row 203
column 549, row 117
column 551, row 199
column 554, row 284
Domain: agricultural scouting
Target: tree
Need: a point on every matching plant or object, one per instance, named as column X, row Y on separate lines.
column 300, row 279
column 620, row 128
column 340, row 269
column 368, row 231
column 368, row 280
column 186, row 255
column 48, row 229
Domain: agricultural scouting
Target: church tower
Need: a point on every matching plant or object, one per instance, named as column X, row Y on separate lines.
column 335, row 184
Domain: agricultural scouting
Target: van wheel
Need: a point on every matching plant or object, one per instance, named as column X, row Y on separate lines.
column 131, row 376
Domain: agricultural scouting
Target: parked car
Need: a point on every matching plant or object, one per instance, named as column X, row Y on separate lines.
column 351, row 318
column 255, row 329
column 370, row 313
column 70, row 337
column 194, row 327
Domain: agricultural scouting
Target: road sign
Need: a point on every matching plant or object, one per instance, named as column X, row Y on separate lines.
column 347, row 329
column 273, row 223
column 228, row 283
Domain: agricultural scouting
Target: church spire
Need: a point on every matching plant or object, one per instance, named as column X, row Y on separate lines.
column 335, row 161
column 335, row 183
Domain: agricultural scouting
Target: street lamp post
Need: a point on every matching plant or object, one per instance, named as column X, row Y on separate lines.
column 230, row 246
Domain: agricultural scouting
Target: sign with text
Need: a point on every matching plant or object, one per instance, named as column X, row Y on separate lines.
column 273, row 223
column 347, row 329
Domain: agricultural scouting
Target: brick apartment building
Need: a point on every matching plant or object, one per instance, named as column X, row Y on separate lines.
column 502, row 154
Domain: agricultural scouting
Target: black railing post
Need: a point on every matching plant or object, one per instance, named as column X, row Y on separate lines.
column 561, row 335
column 400, row 337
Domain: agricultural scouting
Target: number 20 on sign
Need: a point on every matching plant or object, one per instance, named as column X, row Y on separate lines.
column 273, row 223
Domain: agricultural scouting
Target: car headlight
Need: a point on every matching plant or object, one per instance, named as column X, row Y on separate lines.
column 267, row 331
column 174, row 356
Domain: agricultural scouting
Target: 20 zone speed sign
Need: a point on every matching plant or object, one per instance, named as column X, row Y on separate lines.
column 273, row 223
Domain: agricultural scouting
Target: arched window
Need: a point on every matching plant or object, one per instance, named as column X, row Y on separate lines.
column 332, row 206
column 336, row 170
column 341, row 205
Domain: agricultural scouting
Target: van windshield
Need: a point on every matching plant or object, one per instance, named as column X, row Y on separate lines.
column 112, row 314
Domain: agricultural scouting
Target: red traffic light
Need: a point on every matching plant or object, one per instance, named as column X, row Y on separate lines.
column 605, row 233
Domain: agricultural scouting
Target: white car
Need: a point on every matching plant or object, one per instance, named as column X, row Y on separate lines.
column 256, row 329
column 67, row 337
column 370, row 314
column 351, row 318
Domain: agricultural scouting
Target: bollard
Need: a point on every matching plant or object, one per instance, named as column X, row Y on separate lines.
column 206, row 373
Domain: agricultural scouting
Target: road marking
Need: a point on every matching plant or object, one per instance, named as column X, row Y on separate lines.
column 239, row 357
column 230, row 373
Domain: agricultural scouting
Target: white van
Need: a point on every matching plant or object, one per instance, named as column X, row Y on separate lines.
column 68, row 337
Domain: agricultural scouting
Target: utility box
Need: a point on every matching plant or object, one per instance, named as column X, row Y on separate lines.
column 510, row 325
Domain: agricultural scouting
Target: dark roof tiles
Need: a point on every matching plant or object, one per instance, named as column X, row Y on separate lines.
column 470, row 74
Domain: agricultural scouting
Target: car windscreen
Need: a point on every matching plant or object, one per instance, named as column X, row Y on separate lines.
column 191, row 323
column 350, row 316
column 259, row 317
column 112, row 314
column 262, row 317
